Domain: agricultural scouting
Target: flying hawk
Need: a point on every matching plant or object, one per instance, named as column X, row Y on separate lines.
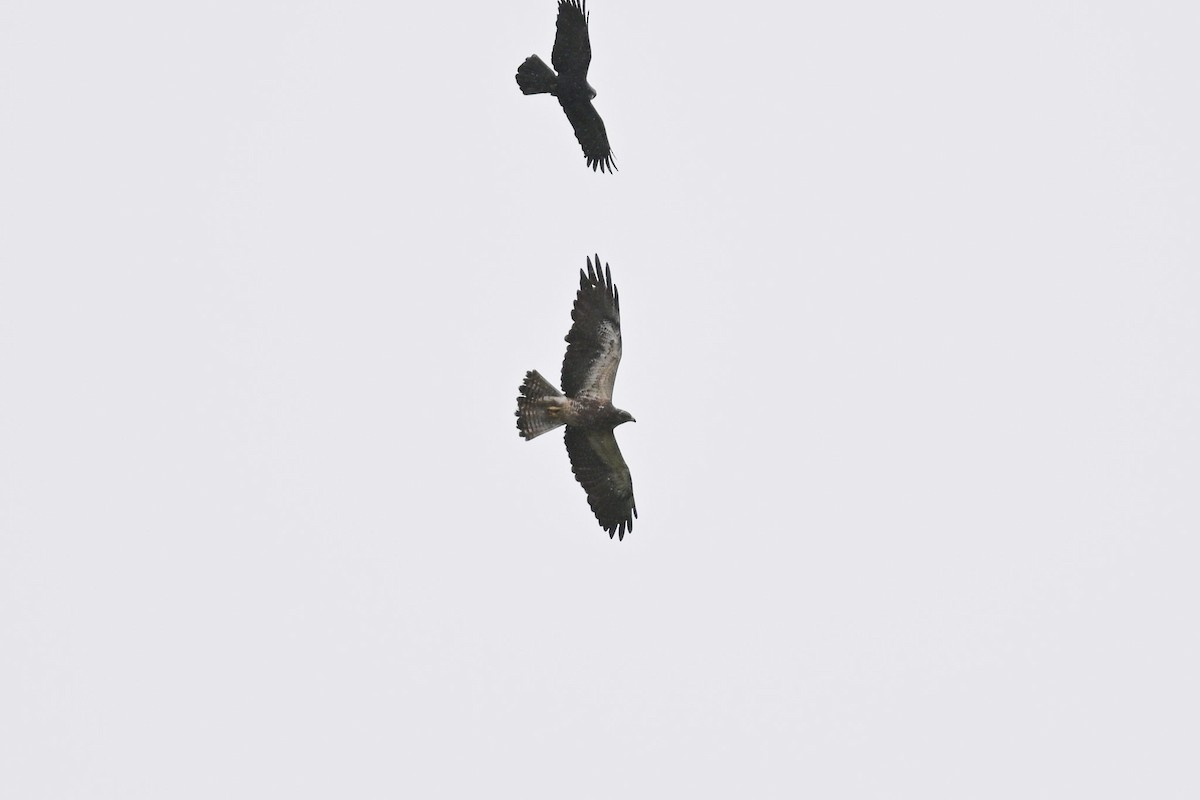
column 571, row 56
column 585, row 403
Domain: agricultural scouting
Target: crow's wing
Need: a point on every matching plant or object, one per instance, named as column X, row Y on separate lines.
column 589, row 368
column 601, row 470
column 572, row 52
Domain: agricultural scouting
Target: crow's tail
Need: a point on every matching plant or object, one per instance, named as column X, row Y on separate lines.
column 534, row 77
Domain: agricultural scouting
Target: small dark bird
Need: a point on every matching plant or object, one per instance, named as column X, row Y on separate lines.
column 584, row 405
column 571, row 56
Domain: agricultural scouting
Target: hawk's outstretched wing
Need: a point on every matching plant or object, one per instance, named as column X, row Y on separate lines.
column 572, row 52
column 589, row 130
column 601, row 470
column 594, row 342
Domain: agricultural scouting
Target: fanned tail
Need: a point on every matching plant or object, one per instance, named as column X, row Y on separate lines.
column 535, row 76
column 538, row 406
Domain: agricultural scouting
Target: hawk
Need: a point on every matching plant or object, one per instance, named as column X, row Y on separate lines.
column 571, row 56
column 584, row 405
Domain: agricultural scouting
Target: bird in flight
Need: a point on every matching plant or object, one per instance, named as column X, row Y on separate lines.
column 571, row 56
column 584, row 405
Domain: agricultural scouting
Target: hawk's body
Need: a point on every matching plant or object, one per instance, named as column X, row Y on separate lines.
column 571, row 57
column 584, row 405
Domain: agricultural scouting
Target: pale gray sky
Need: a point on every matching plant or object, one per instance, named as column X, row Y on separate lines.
column 910, row 302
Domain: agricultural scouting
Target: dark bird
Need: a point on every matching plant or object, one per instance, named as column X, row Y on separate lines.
column 584, row 405
column 571, row 56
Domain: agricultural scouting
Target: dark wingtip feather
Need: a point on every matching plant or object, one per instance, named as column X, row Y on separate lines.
column 579, row 5
column 607, row 164
column 599, row 276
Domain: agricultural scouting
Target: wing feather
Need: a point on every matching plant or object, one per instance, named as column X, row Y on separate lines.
column 572, row 54
column 601, row 470
column 590, row 132
column 594, row 342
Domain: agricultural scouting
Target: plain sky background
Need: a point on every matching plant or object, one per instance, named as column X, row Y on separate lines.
column 910, row 297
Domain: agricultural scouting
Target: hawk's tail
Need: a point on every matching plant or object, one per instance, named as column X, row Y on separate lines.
column 538, row 406
column 535, row 77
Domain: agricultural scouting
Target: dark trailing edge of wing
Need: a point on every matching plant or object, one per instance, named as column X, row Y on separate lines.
column 596, row 301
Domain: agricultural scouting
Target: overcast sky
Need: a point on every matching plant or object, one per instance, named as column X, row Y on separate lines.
column 910, row 298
